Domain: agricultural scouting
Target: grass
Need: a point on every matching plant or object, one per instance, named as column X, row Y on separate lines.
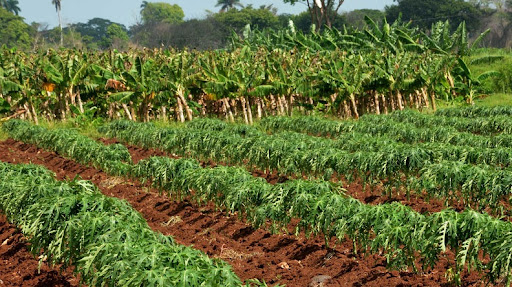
column 499, row 99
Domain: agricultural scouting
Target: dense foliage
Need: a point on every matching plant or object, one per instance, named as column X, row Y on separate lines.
column 107, row 241
column 346, row 73
column 397, row 231
column 437, row 168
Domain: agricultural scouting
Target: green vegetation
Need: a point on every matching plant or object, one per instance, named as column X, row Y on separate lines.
column 74, row 224
column 403, row 235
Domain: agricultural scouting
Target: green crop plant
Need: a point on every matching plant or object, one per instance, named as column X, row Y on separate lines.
column 107, row 241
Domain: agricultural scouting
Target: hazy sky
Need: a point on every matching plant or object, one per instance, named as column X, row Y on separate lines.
column 127, row 11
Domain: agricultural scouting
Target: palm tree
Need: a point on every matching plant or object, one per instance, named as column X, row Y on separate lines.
column 143, row 5
column 11, row 6
column 57, row 8
column 225, row 5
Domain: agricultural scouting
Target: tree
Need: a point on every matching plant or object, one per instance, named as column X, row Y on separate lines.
column 238, row 19
column 322, row 11
column 95, row 33
column 153, row 13
column 226, row 5
column 11, row 6
column 58, row 8
column 13, row 31
column 116, row 37
column 425, row 13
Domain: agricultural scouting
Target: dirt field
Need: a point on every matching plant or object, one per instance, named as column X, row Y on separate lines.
column 276, row 258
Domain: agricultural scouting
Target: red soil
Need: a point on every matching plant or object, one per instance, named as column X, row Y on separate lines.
column 18, row 267
column 253, row 253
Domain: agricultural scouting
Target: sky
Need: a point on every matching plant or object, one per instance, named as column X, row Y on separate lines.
column 127, row 11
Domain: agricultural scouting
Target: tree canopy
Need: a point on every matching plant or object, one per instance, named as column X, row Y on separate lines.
column 158, row 12
column 424, row 13
column 14, row 32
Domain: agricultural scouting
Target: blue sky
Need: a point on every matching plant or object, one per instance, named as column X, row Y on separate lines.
column 127, row 11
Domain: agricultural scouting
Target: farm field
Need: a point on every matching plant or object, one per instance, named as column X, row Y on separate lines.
column 401, row 199
column 288, row 158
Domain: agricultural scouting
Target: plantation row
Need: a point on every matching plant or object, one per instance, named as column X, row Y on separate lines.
column 475, row 111
column 480, row 186
column 108, row 242
column 355, row 141
column 384, row 126
column 394, row 229
column 345, row 73
column 487, row 125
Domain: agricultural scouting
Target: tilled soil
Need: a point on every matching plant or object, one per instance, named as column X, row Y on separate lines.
column 18, row 267
column 253, row 253
column 369, row 195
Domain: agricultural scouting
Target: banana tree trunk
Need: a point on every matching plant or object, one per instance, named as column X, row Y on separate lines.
column 384, row 103
column 425, row 97
column 234, row 105
column 286, row 106
column 399, row 100
column 249, row 110
column 244, row 110
column 433, row 98
column 346, row 110
column 127, row 111
column 185, row 105
column 354, row 106
column 273, row 105
column 292, row 100
column 80, row 104
column 259, row 109
column 181, row 116
column 27, row 112
column 376, row 101
column 33, row 110
column 163, row 113
column 228, row 110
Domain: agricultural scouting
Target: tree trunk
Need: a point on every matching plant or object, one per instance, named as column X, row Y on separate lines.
column 354, row 106
column 292, row 100
column 33, row 110
column 185, row 105
column 234, row 105
column 244, row 109
column 346, row 109
column 27, row 111
column 392, row 100
column 249, row 110
column 259, row 109
column 163, row 115
column 451, row 82
column 433, row 98
column 127, row 111
column 80, row 104
column 399, row 100
column 376, row 100
column 285, row 105
column 273, row 105
column 384, row 103
column 228, row 109
column 181, row 117
column 281, row 106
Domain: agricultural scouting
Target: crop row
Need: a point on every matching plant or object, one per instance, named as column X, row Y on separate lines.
column 355, row 141
column 488, row 125
column 384, row 126
column 395, row 230
column 480, row 186
column 475, row 111
column 108, row 242
column 113, row 158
